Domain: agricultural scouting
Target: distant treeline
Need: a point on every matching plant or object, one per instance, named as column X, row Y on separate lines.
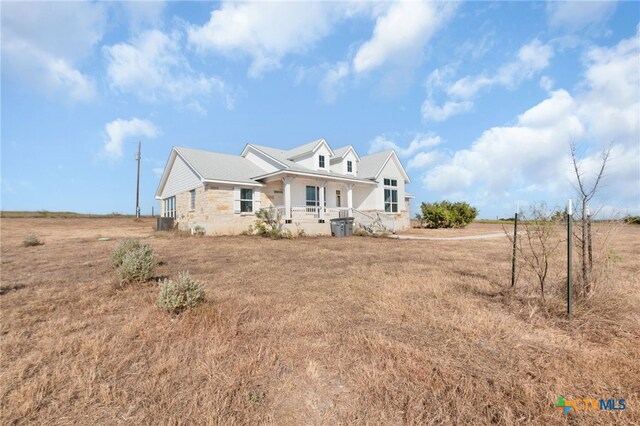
column 48, row 214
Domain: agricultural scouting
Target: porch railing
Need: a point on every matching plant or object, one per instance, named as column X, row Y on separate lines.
column 312, row 213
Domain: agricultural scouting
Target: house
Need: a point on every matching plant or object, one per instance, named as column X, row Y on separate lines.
column 308, row 185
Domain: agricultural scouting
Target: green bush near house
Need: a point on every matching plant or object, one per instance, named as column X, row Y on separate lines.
column 269, row 224
column 123, row 248
column 137, row 265
column 447, row 215
column 176, row 296
column 632, row 220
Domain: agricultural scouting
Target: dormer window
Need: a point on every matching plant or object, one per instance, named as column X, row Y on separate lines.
column 321, row 161
column 349, row 167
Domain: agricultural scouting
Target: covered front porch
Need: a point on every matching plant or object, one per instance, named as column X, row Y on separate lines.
column 309, row 199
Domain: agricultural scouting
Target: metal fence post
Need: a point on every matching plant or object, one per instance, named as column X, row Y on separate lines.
column 569, row 263
column 513, row 256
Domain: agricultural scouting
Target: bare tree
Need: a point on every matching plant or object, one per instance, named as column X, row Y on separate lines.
column 539, row 240
column 586, row 193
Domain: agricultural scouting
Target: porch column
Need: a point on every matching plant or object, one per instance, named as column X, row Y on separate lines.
column 322, row 185
column 350, row 198
column 287, row 198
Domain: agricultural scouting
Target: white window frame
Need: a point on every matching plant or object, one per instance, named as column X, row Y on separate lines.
column 349, row 166
column 250, row 200
column 391, row 185
column 192, row 199
column 321, row 161
column 169, row 207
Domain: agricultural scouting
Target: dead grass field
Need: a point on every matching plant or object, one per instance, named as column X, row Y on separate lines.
column 306, row 331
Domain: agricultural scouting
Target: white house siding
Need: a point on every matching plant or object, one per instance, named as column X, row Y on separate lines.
column 364, row 197
column 390, row 171
column 311, row 161
column 181, row 178
column 341, row 166
column 261, row 161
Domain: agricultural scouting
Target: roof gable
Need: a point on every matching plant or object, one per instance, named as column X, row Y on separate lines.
column 370, row 166
column 308, row 148
column 342, row 152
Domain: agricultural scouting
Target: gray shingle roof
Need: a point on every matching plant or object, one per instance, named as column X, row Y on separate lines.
column 370, row 165
column 339, row 152
column 302, row 148
column 282, row 156
column 218, row 166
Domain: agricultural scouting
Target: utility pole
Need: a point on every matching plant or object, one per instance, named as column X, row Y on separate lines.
column 138, row 184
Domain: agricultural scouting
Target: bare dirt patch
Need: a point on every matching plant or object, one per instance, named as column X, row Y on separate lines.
column 305, row 331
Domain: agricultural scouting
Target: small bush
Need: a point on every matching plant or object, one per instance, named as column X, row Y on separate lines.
column 447, row 215
column 31, row 240
column 123, row 248
column 632, row 220
column 176, row 296
column 198, row 230
column 137, row 265
column 269, row 224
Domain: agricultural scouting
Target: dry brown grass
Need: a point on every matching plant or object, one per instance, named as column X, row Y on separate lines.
column 305, row 331
column 471, row 229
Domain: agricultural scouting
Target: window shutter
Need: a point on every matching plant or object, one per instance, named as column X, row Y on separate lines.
column 256, row 199
column 236, row 199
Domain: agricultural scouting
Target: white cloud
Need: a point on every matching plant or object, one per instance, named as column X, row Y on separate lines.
column 144, row 14
column 432, row 112
column 424, row 159
column 574, row 15
column 265, row 31
column 546, row 83
column 403, row 31
column 42, row 43
column 418, row 143
column 532, row 58
column 533, row 153
column 120, row 130
column 153, row 68
column 333, row 79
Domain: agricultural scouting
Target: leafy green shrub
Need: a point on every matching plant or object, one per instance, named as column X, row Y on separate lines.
column 31, row 240
column 123, row 248
column 447, row 215
column 269, row 224
column 632, row 220
column 198, row 230
column 137, row 265
column 176, row 296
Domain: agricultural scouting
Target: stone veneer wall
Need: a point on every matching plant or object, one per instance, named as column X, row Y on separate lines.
column 215, row 208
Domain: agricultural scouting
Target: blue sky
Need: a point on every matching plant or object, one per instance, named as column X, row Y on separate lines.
column 479, row 99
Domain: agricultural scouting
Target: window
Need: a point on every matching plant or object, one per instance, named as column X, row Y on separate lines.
column 169, row 207
column 246, row 200
column 192, row 193
column 349, row 167
column 321, row 161
column 313, row 196
column 390, row 196
column 338, row 198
